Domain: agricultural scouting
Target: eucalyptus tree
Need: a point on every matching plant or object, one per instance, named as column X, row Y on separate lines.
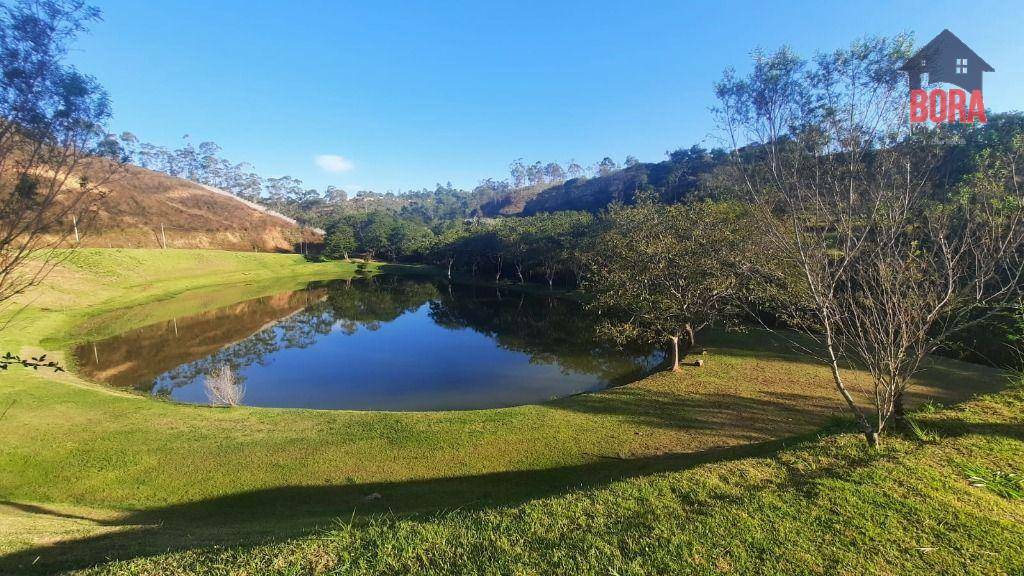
column 662, row 273
column 554, row 173
column 606, row 167
column 892, row 262
column 575, row 170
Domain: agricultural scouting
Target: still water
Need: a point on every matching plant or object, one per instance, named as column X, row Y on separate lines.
column 383, row 343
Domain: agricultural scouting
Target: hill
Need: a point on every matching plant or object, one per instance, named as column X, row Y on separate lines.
column 139, row 208
column 681, row 176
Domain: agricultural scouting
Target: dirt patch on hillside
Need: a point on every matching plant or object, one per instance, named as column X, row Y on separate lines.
column 139, row 208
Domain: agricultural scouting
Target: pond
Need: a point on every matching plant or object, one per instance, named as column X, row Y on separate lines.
column 383, row 343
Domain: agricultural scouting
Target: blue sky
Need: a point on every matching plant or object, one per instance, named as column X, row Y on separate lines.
column 411, row 94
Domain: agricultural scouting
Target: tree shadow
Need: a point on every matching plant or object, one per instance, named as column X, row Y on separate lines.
column 718, row 416
column 276, row 514
column 44, row 511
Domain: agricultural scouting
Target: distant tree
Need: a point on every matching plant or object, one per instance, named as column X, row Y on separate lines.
column 606, row 166
column 518, row 172
column 51, row 132
column 513, row 238
column 554, row 241
column 408, row 239
column 335, row 195
column 279, row 191
column 535, row 174
column 631, row 161
column 575, row 170
column 661, row 273
column 447, row 246
column 554, row 173
column 242, row 181
column 340, row 242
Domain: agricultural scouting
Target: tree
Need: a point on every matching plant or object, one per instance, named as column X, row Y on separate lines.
column 51, row 134
column 575, row 170
column 554, row 173
column 408, row 238
column 518, row 172
column 661, row 273
column 535, row 174
column 606, row 166
column 631, row 161
column 447, row 245
column 512, row 244
column 340, row 242
column 553, row 241
column 335, row 195
column 891, row 261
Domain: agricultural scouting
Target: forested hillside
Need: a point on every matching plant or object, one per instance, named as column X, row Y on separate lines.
column 680, row 177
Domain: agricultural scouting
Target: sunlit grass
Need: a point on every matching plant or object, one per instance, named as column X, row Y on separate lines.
column 1006, row 484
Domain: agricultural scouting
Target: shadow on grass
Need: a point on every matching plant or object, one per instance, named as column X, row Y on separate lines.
column 276, row 514
column 710, row 414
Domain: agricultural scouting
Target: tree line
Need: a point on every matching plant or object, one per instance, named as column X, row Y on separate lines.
column 204, row 163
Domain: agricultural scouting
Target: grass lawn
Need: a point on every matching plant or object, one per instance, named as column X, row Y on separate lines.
column 745, row 465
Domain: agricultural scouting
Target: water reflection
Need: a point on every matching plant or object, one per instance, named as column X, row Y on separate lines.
column 384, row 343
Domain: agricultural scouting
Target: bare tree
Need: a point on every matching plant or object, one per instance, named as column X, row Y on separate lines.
column 888, row 263
column 51, row 138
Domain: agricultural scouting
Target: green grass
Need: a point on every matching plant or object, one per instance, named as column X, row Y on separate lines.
column 746, row 465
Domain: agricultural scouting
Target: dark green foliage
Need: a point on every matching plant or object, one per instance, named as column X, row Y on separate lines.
column 661, row 273
column 340, row 242
column 681, row 177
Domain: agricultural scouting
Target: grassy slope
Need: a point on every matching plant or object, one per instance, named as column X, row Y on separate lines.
column 137, row 203
column 658, row 472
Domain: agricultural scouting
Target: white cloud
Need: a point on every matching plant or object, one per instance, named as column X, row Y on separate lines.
column 334, row 163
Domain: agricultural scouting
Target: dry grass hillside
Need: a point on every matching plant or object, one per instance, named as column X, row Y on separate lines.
column 132, row 205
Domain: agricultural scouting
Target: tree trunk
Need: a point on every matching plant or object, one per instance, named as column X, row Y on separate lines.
column 450, row 262
column 675, row 353
column 870, row 434
column 519, row 272
column 899, row 411
column 691, row 337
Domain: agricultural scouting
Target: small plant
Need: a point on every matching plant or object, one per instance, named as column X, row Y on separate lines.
column 920, row 434
column 222, row 388
column 929, row 407
column 1005, row 484
column 1016, row 379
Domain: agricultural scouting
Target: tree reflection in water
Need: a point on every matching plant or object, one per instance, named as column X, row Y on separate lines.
column 553, row 333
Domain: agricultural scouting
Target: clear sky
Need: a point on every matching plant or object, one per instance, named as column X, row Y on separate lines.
column 415, row 93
